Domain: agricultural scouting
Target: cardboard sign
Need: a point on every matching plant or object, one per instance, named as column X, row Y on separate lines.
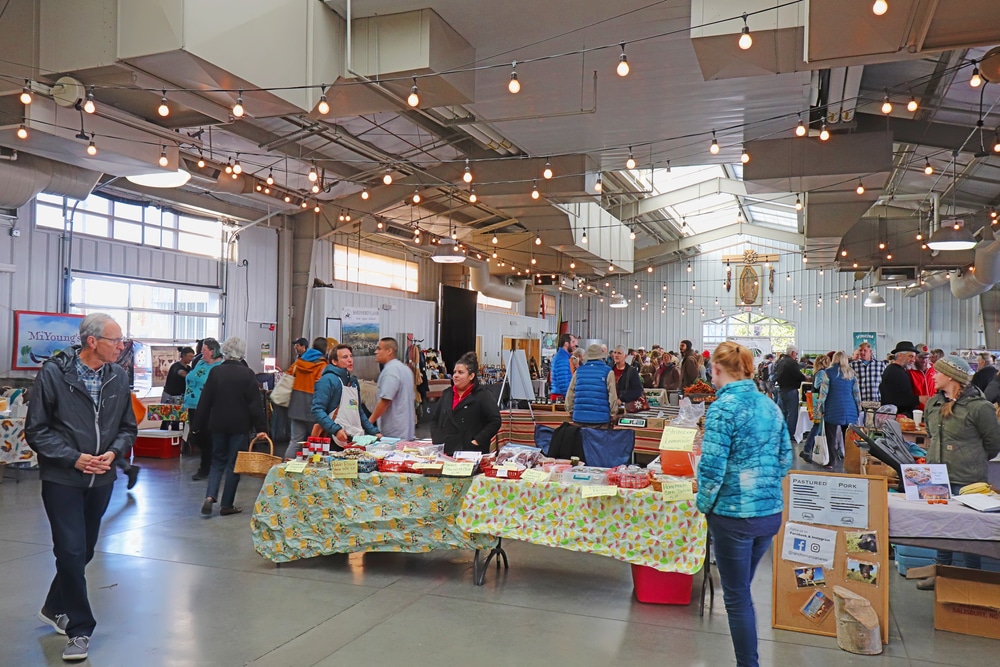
column 591, row 491
column 295, row 466
column 678, row 439
column 347, row 469
column 673, row 491
column 452, row 469
column 535, row 476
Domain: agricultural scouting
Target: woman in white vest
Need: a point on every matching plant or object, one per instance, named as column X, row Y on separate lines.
column 336, row 402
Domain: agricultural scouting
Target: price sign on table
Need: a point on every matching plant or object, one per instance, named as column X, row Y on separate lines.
column 347, row 469
column 594, row 491
column 678, row 439
column 295, row 466
column 460, row 469
column 673, row 491
column 535, row 476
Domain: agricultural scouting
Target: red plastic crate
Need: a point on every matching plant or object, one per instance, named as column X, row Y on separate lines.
column 151, row 444
column 655, row 587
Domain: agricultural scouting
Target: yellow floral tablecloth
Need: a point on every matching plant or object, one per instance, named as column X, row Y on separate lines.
column 636, row 526
column 301, row 515
column 166, row 412
column 13, row 448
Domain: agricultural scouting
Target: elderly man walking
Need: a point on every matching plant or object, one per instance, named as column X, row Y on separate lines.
column 80, row 421
column 789, row 378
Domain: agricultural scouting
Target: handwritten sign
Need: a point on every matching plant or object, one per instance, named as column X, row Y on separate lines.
column 535, row 476
column 453, row 469
column 347, row 469
column 295, row 466
column 673, row 491
column 678, row 439
column 591, row 491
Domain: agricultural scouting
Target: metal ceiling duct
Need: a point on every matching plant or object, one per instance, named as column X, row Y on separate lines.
column 25, row 176
column 985, row 273
column 491, row 286
column 929, row 282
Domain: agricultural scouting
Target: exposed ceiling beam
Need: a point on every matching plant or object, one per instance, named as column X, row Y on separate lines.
column 690, row 242
column 707, row 188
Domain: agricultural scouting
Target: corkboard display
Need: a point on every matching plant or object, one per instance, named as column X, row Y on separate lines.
column 802, row 593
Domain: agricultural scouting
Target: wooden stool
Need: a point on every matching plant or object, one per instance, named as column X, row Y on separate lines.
column 858, row 629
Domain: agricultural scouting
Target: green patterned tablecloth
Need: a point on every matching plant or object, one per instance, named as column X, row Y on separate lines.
column 636, row 526
column 300, row 515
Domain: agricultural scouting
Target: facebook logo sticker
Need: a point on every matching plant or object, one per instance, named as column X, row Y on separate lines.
column 798, row 544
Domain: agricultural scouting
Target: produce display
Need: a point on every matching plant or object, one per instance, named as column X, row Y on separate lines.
column 700, row 392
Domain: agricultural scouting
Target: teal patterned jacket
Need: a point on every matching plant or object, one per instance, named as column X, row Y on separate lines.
column 746, row 452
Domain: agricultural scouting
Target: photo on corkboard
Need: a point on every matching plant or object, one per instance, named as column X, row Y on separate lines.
column 862, row 571
column 807, row 577
column 817, row 607
column 862, row 542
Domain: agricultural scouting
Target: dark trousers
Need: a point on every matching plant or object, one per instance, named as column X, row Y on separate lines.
column 225, row 447
column 75, row 517
column 788, row 401
column 739, row 544
column 203, row 441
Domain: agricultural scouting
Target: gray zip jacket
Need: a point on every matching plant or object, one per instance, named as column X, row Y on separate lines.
column 63, row 421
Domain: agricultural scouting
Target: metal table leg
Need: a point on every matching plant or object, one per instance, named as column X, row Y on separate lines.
column 479, row 572
column 706, row 578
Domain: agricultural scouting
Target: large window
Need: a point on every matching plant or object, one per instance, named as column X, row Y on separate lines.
column 133, row 223
column 501, row 305
column 367, row 268
column 150, row 312
column 781, row 332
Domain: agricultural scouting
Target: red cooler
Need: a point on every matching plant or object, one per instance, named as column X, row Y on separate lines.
column 655, row 587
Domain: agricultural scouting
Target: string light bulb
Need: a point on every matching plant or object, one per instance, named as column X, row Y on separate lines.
column 976, row 80
column 270, row 177
column 714, row 147
column 649, row 269
column 533, row 260
column 91, row 147
column 880, row 7
column 746, row 41
column 364, row 193
column 572, row 265
column 413, row 99
column 534, row 191
column 323, row 107
column 800, row 129
column 598, row 184
column 538, row 240
column 824, row 134
column 912, row 105
column 288, row 200
column 798, row 203
column 201, row 165
column 631, row 234
column 26, row 93
column 387, row 177
column 472, row 196
column 163, row 109
column 316, row 207
column 744, row 156
column 416, row 197
column 547, row 172
column 467, row 174
column 237, row 167
column 22, row 132
column 584, row 239
column 689, row 267
column 623, row 69
column 312, row 174
column 861, row 188
column 163, row 157
column 89, row 105
column 630, row 162
column 238, row 109
column 514, row 86
column 304, row 204
column 928, row 169
column 886, row 105
column 495, row 239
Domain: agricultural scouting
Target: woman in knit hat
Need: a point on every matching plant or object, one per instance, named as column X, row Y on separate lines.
column 964, row 434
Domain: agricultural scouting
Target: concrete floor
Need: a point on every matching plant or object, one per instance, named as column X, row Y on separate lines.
column 170, row 587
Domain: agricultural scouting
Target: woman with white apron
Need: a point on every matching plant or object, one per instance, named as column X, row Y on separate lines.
column 337, row 400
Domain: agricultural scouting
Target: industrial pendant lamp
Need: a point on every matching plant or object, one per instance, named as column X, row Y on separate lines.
column 619, row 302
column 952, row 234
column 874, row 300
column 448, row 252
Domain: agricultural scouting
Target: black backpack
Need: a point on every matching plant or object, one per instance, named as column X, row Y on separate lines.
column 566, row 442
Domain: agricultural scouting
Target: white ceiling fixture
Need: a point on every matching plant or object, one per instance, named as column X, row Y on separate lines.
column 874, row 300
column 952, row 235
column 620, row 302
column 448, row 252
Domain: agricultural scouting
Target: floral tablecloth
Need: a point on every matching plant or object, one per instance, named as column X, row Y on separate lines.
column 636, row 526
column 166, row 412
column 301, row 515
column 13, row 448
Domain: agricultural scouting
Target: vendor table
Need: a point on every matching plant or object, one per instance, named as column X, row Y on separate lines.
column 803, row 425
column 166, row 412
column 301, row 515
column 635, row 526
column 952, row 527
column 13, row 448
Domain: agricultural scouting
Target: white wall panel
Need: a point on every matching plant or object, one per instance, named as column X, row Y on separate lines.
column 492, row 327
column 398, row 315
column 936, row 318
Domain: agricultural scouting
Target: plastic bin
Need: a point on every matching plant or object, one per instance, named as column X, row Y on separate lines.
column 655, row 587
column 157, row 444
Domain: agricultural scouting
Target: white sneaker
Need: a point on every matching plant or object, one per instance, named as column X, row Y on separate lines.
column 76, row 648
column 57, row 621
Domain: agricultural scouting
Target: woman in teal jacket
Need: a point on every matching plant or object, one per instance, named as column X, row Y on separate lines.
column 746, row 452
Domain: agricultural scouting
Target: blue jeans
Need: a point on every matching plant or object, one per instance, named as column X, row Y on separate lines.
column 225, row 446
column 739, row 544
column 788, row 401
column 810, row 440
column 75, row 514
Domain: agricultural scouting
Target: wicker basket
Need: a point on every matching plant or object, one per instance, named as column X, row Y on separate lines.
column 254, row 463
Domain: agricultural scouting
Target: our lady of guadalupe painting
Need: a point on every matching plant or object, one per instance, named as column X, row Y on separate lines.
column 749, row 292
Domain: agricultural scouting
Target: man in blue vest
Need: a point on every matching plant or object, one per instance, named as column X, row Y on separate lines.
column 561, row 373
column 592, row 398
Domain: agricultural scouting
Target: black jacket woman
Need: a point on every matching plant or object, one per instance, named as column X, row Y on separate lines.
column 627, row 379
column 467, row 416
